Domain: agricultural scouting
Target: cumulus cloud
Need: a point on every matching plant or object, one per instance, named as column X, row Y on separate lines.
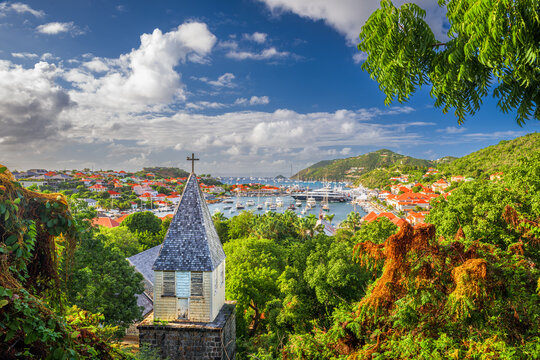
column 257, row 37
column 55, row 28
column 266, row 54
column 348, row 16
column 225, row 80
column 19, row 8
column 146, row 76
column 254, row 100
column 30, row 104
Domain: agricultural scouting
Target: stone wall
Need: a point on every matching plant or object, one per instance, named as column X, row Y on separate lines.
column 190, row 340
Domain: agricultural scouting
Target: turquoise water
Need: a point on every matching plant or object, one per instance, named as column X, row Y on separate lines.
column 340, row 210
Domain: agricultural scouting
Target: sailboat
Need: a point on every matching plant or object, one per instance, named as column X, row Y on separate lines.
column 325, row 206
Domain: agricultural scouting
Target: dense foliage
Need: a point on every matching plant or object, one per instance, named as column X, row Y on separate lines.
column 37, row 234
column 287, row 276
column 465, row 286
column 500, row 157
column 102, row 281
column 492, row 46
column 381, row 159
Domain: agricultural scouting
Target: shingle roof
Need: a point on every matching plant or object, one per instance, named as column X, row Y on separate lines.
column 143, row 262
column 191, row 243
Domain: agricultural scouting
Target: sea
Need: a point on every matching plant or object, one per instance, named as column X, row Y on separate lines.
column 340, row 210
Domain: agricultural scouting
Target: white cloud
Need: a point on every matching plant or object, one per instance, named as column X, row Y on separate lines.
column 359, row 57
column 348, row 16
column 453, row 130
column 225, row 80
column 228, row 44
column 48, row 56
column 259, row 100
column 24, row 55
column 199, row 105
column 254, row 100
column 266, row 54
column 54, row 28
column 257, row 37
column 19, row 8
column 96, row 65
column 144, row 77
column 31, row 104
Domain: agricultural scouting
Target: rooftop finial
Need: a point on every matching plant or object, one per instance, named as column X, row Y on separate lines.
column 192, row 159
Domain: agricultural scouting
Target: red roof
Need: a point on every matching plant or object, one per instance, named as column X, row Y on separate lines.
column 113, row 192
column 105, row 221
column 97, row 186
column 121, row 218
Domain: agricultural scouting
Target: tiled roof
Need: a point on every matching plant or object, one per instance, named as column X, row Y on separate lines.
column 143, row 262
column 191, row 243
column 105, row 221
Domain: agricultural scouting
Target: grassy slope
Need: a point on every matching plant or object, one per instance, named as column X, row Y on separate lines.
column 381, row 159
column 482, row 163
column 380, row 165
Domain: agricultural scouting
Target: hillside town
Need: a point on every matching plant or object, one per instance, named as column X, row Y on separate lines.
column 117, row 194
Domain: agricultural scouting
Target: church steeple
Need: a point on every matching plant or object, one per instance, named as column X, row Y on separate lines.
column 192, row 243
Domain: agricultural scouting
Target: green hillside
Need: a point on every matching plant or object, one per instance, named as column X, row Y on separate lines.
column 354, row 167
column 500, row 157
column 163, row 172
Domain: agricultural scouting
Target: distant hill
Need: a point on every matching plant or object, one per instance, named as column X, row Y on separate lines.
column 494, row 158
column 164, row 172
column 355, row 167
column 376, row 168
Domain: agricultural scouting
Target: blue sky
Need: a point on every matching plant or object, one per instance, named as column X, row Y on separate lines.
column 251, row 86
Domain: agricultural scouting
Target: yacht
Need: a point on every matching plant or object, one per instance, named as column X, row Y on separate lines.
column 279, row 202
column 250, row 203
column 335, row 195
column 298, row 203
column 239, row 206
column 228, row 201
column 259, row 207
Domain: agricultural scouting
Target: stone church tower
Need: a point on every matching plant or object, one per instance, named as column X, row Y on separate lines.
column 191, row 319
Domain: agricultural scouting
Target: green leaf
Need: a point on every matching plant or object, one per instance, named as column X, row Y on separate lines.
column 3, row 169
column 12, row 239
column 3, row 303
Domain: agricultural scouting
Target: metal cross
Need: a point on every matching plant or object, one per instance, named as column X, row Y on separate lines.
column 192, row 159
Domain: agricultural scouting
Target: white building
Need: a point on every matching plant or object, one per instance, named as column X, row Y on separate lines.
column 189, row 272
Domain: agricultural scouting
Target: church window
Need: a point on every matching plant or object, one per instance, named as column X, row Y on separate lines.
column 168, row 283
column 196, row 283
column 222, row 275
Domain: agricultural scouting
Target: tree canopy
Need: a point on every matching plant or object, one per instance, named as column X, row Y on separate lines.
column 492, row 46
